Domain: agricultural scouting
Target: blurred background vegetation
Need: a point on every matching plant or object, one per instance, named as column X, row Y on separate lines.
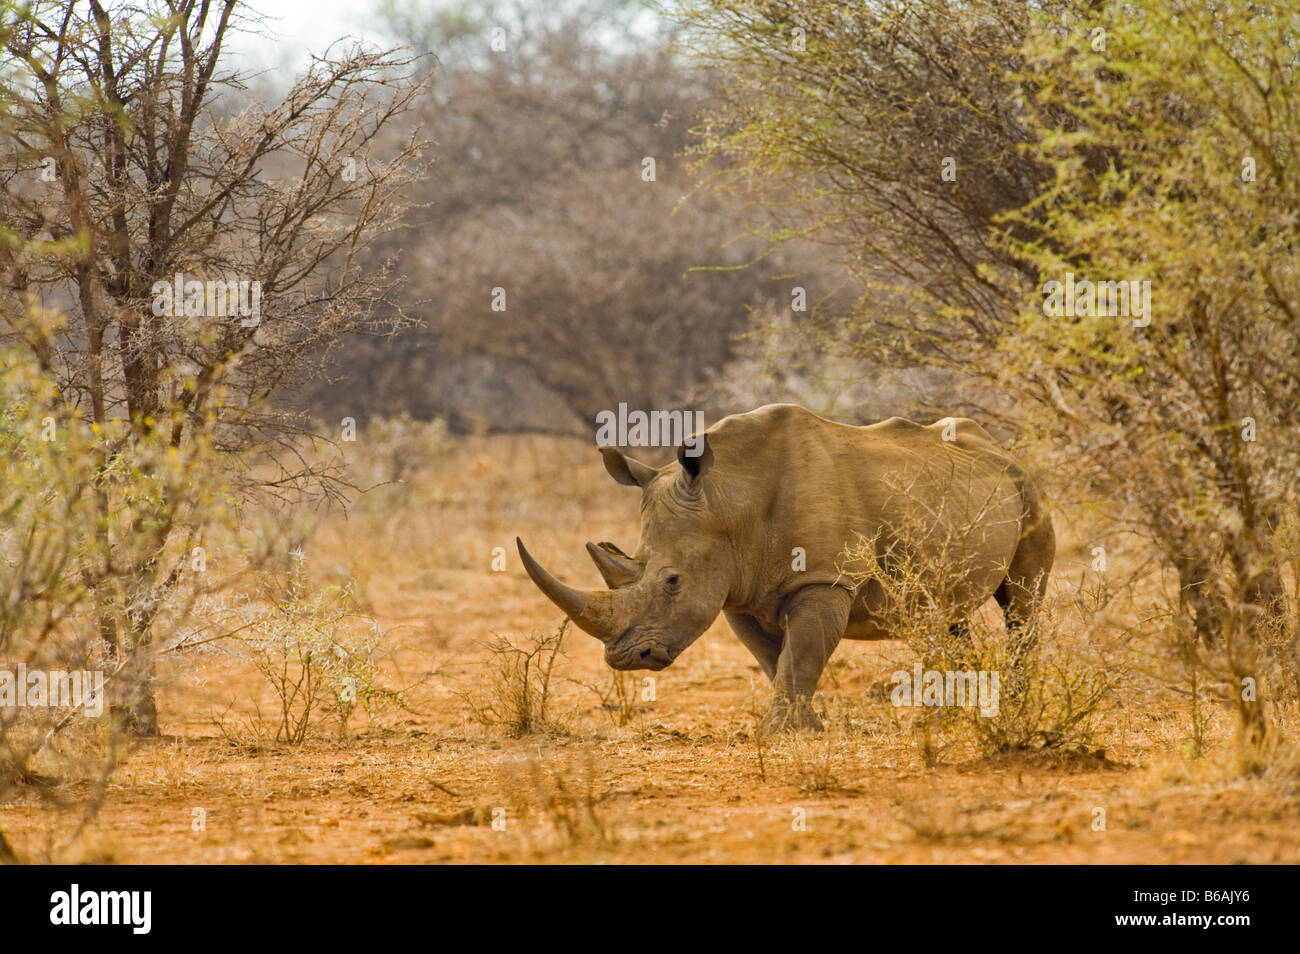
column 713, row 204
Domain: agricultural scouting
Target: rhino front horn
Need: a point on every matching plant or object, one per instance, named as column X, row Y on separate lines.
column 592, row 611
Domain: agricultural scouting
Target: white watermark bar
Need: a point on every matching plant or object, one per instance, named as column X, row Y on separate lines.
column 200, row 298
column 947, row 687
column 1103, row 299
column 52, row 689
column 636, row 428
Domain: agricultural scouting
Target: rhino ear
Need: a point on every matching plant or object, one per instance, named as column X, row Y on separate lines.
column 696, row 460
column 626, row 470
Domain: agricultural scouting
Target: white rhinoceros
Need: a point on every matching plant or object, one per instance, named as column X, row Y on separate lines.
column 761, row 525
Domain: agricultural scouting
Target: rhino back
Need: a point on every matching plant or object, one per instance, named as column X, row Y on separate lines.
column 796, row 483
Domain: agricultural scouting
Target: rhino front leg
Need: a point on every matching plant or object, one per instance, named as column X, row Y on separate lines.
column 815, row 618
column 764, row 644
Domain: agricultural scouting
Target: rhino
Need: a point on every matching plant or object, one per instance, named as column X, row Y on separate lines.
column 757, row 520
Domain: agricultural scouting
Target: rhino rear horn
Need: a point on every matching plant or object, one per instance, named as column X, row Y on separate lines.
column 617, row 568
column 597, row 612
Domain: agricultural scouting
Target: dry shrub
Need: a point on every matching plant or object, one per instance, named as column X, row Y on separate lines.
column 1247, row 667
column 619, row 696
column 814, row 763
column 316, row 652
column 1059, row 687
column 1054, row 676
column 517, row 694
column 1280, row 643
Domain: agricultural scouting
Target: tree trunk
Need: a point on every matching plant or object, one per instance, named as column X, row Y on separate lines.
column 136, row 712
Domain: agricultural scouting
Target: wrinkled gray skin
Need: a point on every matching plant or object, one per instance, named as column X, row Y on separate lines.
column 719, row 533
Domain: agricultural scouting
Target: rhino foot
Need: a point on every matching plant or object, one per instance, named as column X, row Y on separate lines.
column 789, row 715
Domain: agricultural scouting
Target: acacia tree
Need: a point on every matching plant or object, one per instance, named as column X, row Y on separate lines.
column 888, row 132
column 1186, row 418
column 959, row 156
column 543, row 192
column 132, row 167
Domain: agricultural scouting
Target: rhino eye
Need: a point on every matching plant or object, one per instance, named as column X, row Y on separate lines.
column 673, row 580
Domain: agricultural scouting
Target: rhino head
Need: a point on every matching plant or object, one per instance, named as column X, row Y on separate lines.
column 662, row 598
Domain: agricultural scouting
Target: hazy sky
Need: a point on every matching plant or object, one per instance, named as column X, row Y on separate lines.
column 296, row 27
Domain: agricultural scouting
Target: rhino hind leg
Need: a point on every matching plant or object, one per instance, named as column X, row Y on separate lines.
column 1020, row 594
column 960, row 642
